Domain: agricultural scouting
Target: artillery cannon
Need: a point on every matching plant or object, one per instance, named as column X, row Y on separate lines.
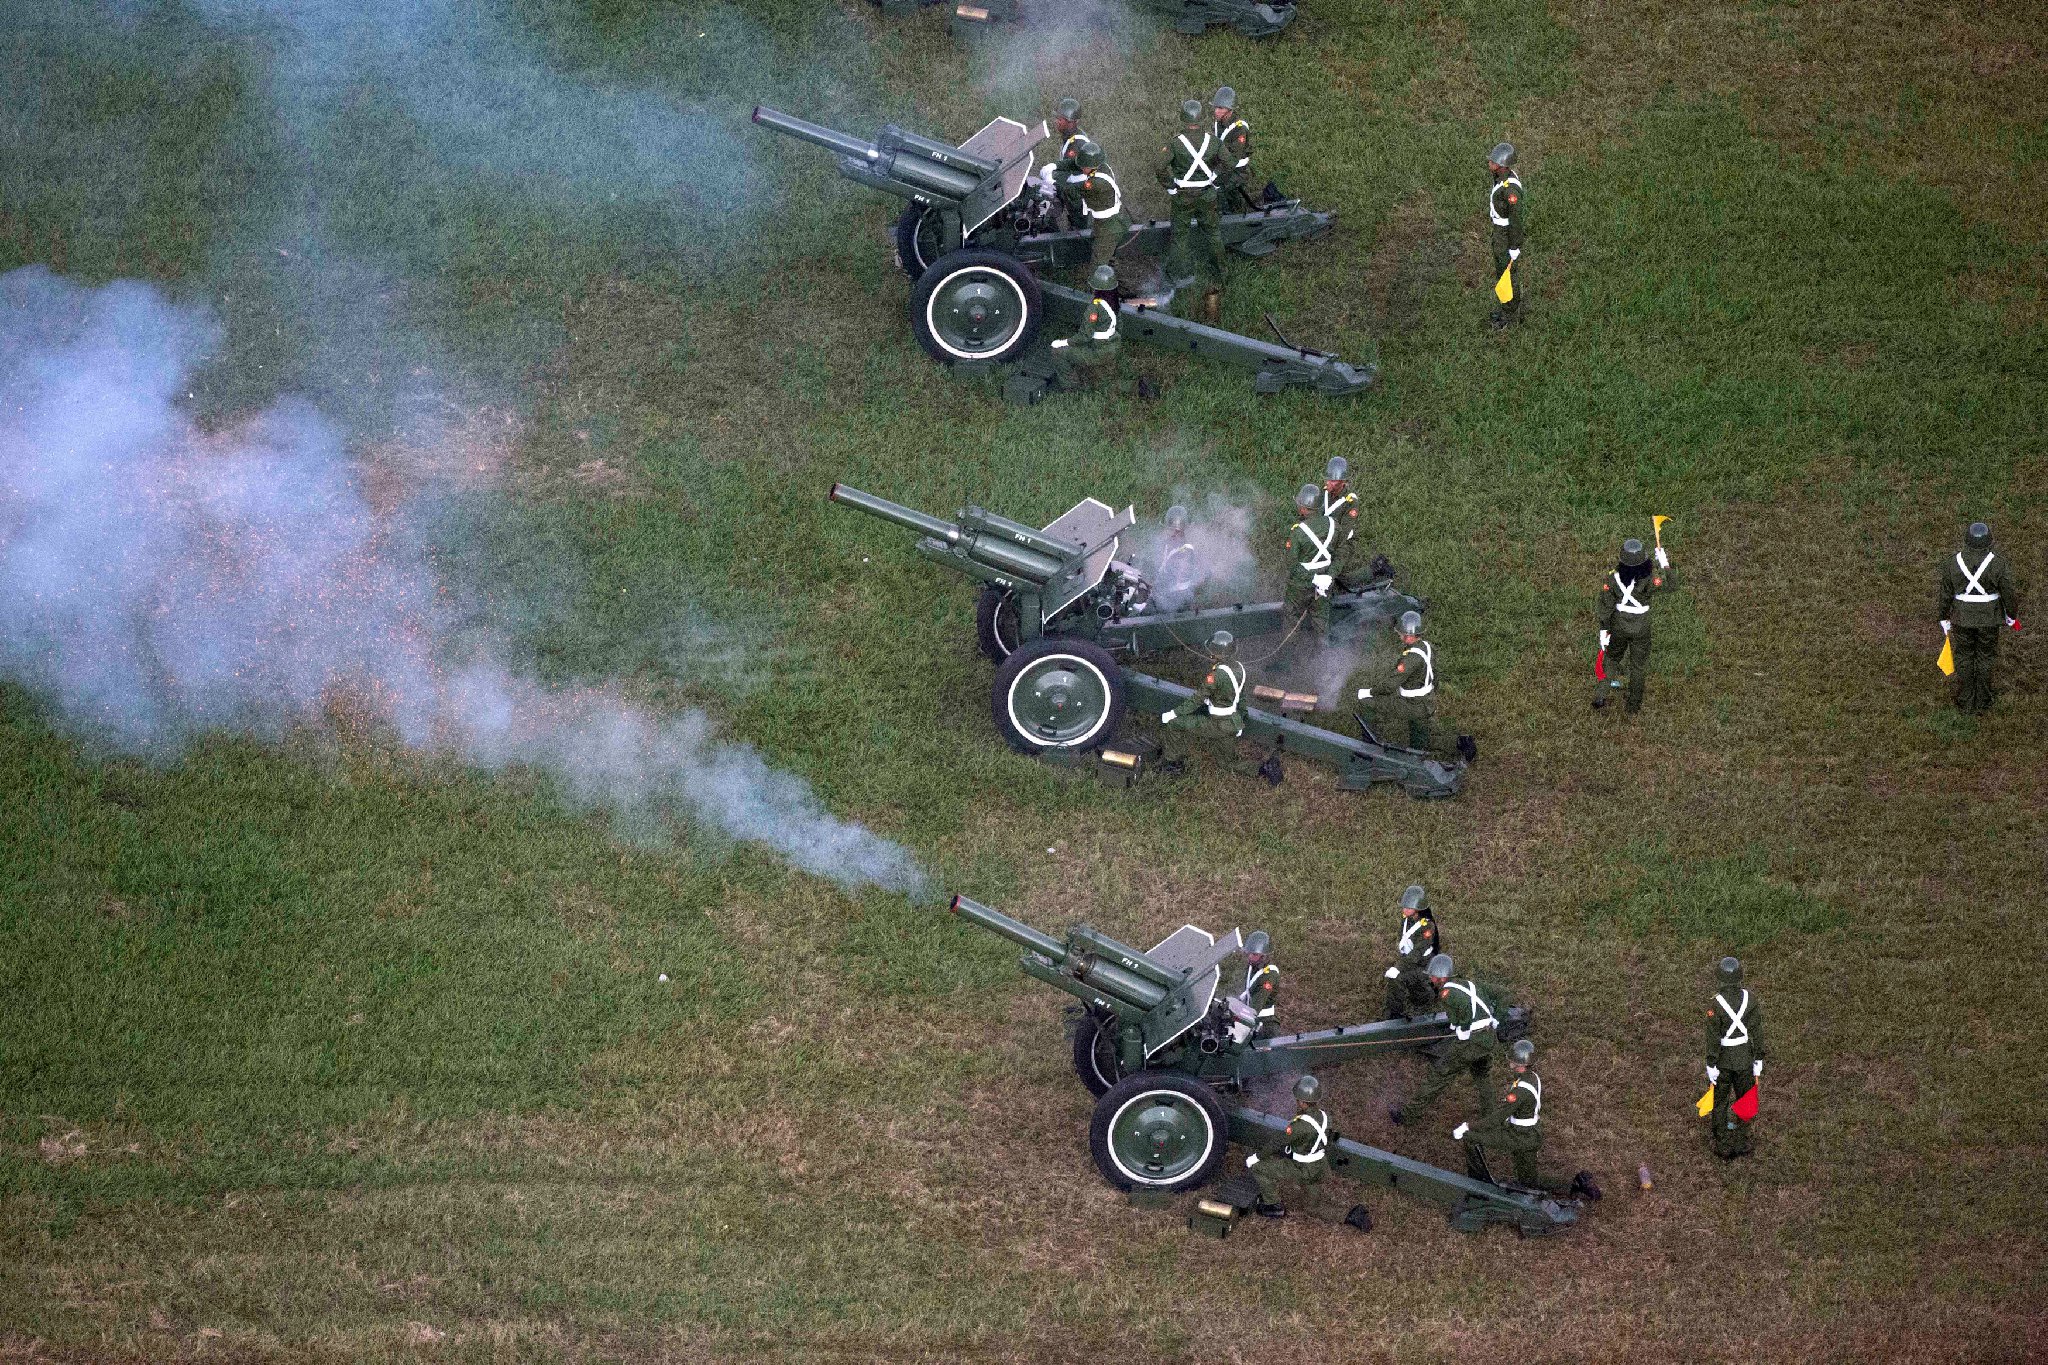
column 1160, row 1041
column 978, row 222
column 1062, row 617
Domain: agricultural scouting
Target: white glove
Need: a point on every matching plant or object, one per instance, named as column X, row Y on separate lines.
column 1364, row 692
column 2013, row 621
column 1251, row 1161
column 1322, row 582
column 1713, row 1075
column 1166, row 717
column 1944, row 626
column 1393, row 973
column 1603, row 639
column 1663, row 558
column 1458, row 1133
column 1756, row 1070
column 1514, row 253
column 1171, row 193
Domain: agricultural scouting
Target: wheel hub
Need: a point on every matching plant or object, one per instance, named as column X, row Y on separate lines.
column 1163, row 1138
column 1056, row 702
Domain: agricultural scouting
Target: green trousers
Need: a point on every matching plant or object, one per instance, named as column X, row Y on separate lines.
column 1418, row 712
column 1084, row 358
column 1976, row 650
column 1474, row 1058
column 1302, row 597
column 1630, row 654
column 1275, row 1173
column 1521, row 1154
column 1195, row 252
column 1512, row 309
column 1410, row 994
column 1217, row 733
column 1728, row 1135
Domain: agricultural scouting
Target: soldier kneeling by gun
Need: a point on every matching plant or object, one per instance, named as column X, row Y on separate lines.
column 1303, row 1159
column 1511, row 1126
column 1076, row 359
column 1215, row 710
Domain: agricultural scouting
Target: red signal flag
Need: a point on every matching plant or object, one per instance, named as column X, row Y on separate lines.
column 1745, row 1108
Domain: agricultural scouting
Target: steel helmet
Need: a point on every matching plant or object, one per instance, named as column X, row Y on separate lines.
column 1224, row 646
column 1308, row 498
column 1978, row 536
column 1068, row 111
column 1412, row 898
column 1411, row 623
column 1307, row 1091
column 1190, row 111
column 1176, row 515
column 1730, row 971
column 1257, row 943
column 1502, row 155
column 1441, row 967
column 1224, row 98
column 1337, row 470
column 1088, row 156
column 1522, row 1053
column 1632, row 552
column 1103, row 279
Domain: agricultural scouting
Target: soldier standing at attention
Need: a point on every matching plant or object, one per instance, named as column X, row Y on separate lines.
column 1234, row 144
column 1311, row 554
column 1102, row 203
column 1976, row 594
column 1407, row 691
column 1504, row 209
column 1187, row 168
column 1076, row 358
column 1409, row 992
column 1475, row 1031
column 1066, row 126
column 1512, row 1127
column 1625, row 619
column 1735, row 1057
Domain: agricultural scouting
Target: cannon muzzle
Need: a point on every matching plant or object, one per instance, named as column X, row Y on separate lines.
column 1081, row 960
column 909, row 518
column 980, row 543
column 897, row 162
column 1017, row 931
column 805, row 131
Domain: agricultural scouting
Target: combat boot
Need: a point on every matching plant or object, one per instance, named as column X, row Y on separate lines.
column 1583, row 1186
column 1265, row 1210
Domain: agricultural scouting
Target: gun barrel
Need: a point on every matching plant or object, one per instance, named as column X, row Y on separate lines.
column 909, row 518
column 1018, row 932
column 806, row 131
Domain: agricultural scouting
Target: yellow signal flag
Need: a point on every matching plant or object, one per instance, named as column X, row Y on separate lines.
column 1504, row 287
column 1947, row 662
column 1706, row 1104
column 1657, row 526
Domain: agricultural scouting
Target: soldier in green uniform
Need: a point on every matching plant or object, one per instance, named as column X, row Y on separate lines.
column 1187, row 169
column 1102, row 203
column 1513, row 1127
column 1475, row 1042
column 1261, row 993
column 1409, row 992
column 1311, row 556
column 1215, row 712
column 1234, row 161
column 1404, row 687
column 1180, row 570
column 1977, row 594
column 1302, row 1159
column 1066, row 126
column 1625, row 619
column 1077, row 359
column 1341, row 505
column 1735, row 1057
column 1504, row 208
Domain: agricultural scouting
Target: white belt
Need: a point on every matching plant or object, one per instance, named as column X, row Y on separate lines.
column 1477, row 1024
column 1301, row 1160
column 1106, row 333
column 1491, row 211
column 1522, row 1123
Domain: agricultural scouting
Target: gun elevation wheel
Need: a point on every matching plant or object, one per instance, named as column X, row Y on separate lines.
column 1057, row 694
column 975, row 304
column 998, row 630
column 1158, row 1130
column 1095, row 1059
column 920, row 239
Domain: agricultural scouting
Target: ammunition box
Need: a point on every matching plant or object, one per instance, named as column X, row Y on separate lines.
column 1212, row 1219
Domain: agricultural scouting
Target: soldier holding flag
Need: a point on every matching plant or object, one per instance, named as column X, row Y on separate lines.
column 1504, row 211
column 1625, row 619
column 1977, row 595
column 1735, row 1062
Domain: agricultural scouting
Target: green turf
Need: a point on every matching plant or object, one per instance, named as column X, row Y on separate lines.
column 319, row 1049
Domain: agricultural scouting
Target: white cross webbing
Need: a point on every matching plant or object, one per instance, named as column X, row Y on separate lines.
column 1224, row 138
column 1737, row 1032
column 1535, row 1090
column 1197, row 176
column 1068, row 147
column 1108, row 330
column 1116, row 202
column 1407, row 943
column 1974, row 591
column 1493, row 212
column 1320, row 560
column 1330, row 509
column 1422, row 650
column 1251, row 979
column 1321, row 1139
column 1627, row 601
column 1234, row 672
column 1478, row 1004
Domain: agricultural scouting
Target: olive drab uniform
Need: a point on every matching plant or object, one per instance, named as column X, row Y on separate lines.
column 1409, row 992
column 1403, row 687
column 1303, row 1158
column 1504, row 209
column 1625, row 618
column 1096, row 342
column 1188, row 171
column 1513, row 1127
column 1215, row 711
column 1344, row 554
column 1262, row 992
column 1474, row 1046
column 1102, row 207
column 1234, row 173
column 1179, row 573
column 1067, row 177
column 1312, row 545
column 1977, row 599
column 1735, row 1043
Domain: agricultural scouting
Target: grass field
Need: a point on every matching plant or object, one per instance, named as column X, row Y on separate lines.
column 326, row 1049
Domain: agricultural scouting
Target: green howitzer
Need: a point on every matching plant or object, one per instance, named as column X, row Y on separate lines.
column 1160, row 1039
column 979, row 224
column 1063, row 618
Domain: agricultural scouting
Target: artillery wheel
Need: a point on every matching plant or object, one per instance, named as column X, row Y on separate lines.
column 1057, row 694
column 920, row 239
column 1095, row 1059
column 1158, row 1130
column 976, row 304
column 998, row 630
